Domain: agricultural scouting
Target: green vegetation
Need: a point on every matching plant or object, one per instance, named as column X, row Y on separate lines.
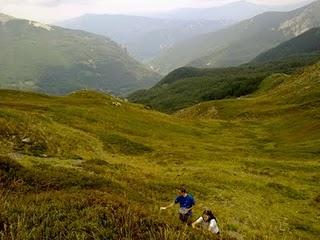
column 90, row 166
column 240, row 43
column 54, row 60
column 188, row 86
column 307, row 43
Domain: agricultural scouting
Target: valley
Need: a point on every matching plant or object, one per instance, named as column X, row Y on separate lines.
column 257, row 167
column 100, row 124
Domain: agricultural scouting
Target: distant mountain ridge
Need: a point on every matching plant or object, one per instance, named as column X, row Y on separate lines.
column 235, row 11
column 241, row 42
column 306, row 43
column 5, row 18
column 144, row 37
column 51, row 59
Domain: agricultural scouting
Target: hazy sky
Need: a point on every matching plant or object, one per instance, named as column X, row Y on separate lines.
column 53, row 10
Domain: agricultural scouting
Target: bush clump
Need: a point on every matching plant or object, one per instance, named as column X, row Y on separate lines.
column 286, row 191
column 118, row 144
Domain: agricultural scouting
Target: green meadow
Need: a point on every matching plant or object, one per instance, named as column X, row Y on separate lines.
column 92, row 166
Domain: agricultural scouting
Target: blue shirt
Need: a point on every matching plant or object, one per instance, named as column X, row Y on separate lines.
column 185, row 202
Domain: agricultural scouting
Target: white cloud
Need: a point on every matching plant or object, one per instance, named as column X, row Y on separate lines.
column 53, row 10
column 31, row 2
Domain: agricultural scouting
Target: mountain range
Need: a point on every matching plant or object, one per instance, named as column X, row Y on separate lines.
column 149, row 35
column 52, row 59
column 241, row 42
column 144, row 37
column 235, row 11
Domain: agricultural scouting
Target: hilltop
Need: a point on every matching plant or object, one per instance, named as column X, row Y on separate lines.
column 188, row 86
column 277, row 96
column 51, row 59
column 92, row 166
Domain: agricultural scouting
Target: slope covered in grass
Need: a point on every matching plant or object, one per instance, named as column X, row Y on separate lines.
column 54, row 60
column 279, row 97
column 187, row 86
column 89, row 166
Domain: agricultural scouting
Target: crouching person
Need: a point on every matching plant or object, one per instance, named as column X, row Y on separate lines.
column 208, row 221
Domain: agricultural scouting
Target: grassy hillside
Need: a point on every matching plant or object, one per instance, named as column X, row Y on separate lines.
column 280, row 96
column 50, row 59
column 241, row 42
column 187, row 86
column 89, row 166
column 306, row 43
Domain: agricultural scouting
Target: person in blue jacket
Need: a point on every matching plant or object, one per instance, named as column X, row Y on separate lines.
column 186, row 202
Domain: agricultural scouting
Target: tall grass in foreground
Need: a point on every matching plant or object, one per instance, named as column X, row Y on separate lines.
column 66, row 209
column 86, row 215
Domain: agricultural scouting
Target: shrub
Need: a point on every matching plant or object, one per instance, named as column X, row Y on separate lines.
column 116, row 143
column 286, row 191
